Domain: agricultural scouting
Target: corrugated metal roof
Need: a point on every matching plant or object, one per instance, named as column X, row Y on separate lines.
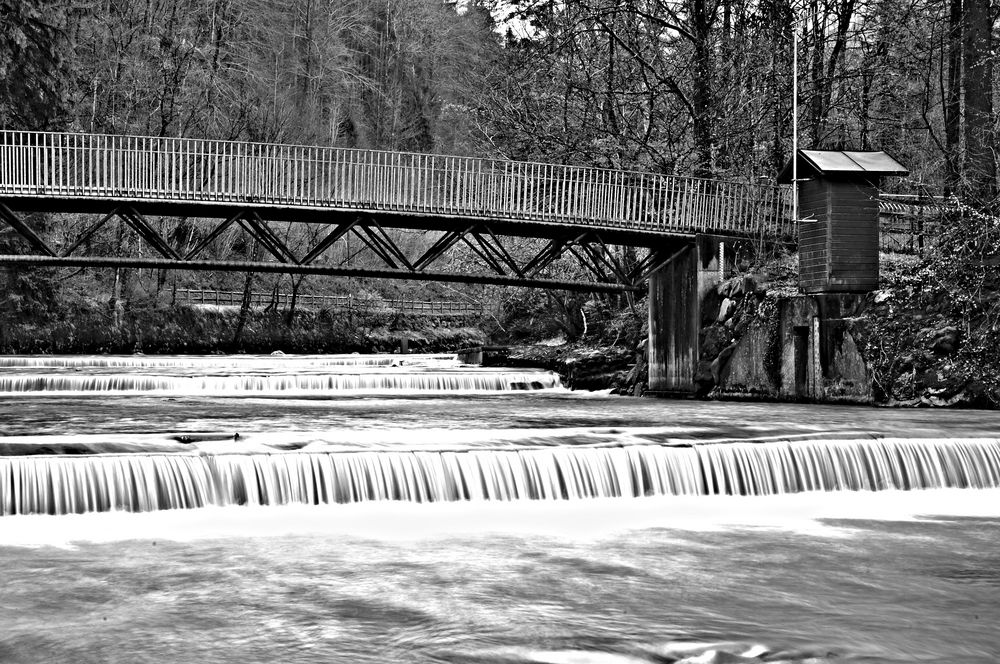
column 836, row 162
column 826, row 161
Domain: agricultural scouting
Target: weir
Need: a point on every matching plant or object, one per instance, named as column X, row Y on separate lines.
column 148, row 482
column 261, row 374
column 437, row 381
column 500, row 459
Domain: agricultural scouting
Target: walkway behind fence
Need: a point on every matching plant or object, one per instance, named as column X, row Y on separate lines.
column 440, row 308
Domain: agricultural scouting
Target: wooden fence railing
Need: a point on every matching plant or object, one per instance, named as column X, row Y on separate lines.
column 444, row 308
column 182, row 169
column 910, row 223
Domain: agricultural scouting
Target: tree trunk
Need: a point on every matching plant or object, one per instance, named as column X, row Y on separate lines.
column 290, row 316
column 245, row 303
column 247, row 298
column 780, row 16
column 977, row 61
column 953, row 101
column 816, row 112
column 702, row 97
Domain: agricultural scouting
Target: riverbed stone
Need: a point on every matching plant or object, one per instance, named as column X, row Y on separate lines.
column 713, row 340
column 719, row 363
column 725, row 310
column 945, row 341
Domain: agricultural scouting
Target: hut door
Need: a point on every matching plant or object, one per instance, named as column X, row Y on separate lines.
column 800, row 350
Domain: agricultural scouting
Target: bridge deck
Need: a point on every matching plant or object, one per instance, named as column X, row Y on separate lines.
column 81, row 172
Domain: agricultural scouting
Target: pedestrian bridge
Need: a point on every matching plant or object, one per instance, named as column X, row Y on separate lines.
column 477, row 204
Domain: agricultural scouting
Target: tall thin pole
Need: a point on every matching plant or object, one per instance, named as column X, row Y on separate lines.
column 795, row 122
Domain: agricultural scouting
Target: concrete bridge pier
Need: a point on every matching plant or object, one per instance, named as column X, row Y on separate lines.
column 676, row 291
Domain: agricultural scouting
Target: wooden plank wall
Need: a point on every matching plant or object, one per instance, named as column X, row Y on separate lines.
column 853, row 238
column 838, row 252
column 814, row 206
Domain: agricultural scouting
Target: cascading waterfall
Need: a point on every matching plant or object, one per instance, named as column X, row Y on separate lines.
column 424, row 380
column 145, row 482
column 261, row 374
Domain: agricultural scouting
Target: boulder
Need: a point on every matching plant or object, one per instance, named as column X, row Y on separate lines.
column 713, row 340
column 945, row 340
column 726, row 310
column 710, row 306
column 929, row 379
column 719, row 363
column 704, row 379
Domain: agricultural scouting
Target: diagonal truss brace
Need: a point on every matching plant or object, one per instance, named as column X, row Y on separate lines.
column 87, row 234
column 7, row 216
column 216, row 232
column 439, row 248
column 328, row 241
column 258, row 229
column 375, row 237
column 494, row 253
column 651, row 263
column 147, row 232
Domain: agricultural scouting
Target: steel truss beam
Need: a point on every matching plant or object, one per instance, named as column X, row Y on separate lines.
column 282, row 268
column 216, row 232
column 260, row 231
column 15, row 222
column 147, row 232
column 588, row 248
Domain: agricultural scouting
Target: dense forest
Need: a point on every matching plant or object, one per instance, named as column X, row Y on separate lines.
column 692, row 87
column 675, row 86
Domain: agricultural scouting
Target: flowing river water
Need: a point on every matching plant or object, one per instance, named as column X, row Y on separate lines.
column 411, row 509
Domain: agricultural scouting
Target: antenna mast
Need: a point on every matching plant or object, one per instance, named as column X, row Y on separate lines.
column 795, row 121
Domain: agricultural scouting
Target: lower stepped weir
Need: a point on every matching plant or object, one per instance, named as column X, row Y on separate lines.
column 148, row 482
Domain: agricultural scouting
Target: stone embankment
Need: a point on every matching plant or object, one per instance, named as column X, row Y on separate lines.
column 765, row 341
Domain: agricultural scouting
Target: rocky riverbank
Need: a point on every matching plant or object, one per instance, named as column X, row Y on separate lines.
column 582, row 366
column 922, row 340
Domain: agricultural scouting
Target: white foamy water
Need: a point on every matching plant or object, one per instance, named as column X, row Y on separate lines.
column 261, row 374
column 282, row 519
column 402, row 381
column 592, row 520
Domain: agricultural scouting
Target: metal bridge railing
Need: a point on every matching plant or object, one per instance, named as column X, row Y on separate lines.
column 444, row 308
column 192, row 170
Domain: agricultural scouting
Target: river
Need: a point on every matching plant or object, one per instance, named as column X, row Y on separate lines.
column 410, row 509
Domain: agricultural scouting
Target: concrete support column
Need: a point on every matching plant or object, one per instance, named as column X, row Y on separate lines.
column 675, row 294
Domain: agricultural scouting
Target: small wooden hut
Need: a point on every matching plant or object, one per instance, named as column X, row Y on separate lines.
column 838, row 213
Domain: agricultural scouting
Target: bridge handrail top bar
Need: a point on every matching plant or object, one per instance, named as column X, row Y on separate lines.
column 499, row 160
